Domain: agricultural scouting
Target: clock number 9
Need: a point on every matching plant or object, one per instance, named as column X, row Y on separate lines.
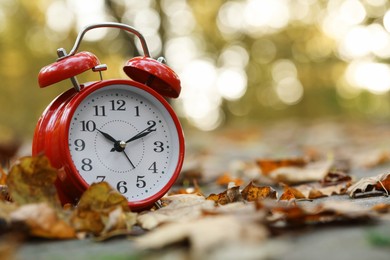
column 80, row 145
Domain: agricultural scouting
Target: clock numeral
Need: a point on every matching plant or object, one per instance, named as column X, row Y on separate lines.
column 89, row 126
column 80, row 145
column 87, row 164
column 159, row 147
column 151, row 124
column 118, row 105
column 140, row 182
column 153, row 167
column 136, row 111
column 122, row 187
column 100, row 178
column 100, row 110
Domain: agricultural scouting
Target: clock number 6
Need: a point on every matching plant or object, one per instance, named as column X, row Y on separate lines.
column 121, row 187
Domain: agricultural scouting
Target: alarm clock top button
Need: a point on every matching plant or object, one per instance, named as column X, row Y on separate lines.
column 154, row 74
column 66, row 68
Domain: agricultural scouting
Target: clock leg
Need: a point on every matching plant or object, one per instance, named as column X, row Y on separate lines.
column 158, row 204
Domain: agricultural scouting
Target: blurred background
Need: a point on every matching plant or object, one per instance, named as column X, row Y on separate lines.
column 240, row 61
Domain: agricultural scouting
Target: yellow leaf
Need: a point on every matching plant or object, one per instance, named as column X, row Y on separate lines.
column 102, row 209
column 31, row 180
column 253, row 193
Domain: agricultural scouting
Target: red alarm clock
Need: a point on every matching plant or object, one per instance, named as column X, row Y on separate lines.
column 120, row 131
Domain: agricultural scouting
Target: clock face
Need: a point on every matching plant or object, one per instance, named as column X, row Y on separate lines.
column 125, row 136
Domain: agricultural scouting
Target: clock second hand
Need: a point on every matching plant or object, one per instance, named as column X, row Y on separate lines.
column 128, row 159
column 119, row 146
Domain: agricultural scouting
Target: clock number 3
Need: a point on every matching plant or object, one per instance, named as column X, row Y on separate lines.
column 159, row 147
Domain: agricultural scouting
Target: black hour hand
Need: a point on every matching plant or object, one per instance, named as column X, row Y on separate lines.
column 109, row 137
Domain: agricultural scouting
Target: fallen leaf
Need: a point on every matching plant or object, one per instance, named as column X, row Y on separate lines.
column 269, row 165
column 253, row 193
column 291, row 193
column 334, row 183
column 102, row 209
column 42, row 221
column 381, row 208
column 230, row 195
column 226, row 178
column 189, row 190
column 335, row 177
column 180, row 207
column 314, row 171
column 325, row 213
column 204, row 234
column 380, row 182
column 3, row 176
column 31, row 180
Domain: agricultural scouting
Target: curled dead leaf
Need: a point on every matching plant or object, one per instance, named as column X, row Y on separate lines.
column 291, row 193
column 380, row 182
column 230, row 195
column 253, row 193
column 204, row 234
column 3, row 176
column 314, row 171
column 31, row 180
column 180, row 207
column 227, row 178
column 327, row 212
column 269, row 165
column 42, row 221
column 102, row 209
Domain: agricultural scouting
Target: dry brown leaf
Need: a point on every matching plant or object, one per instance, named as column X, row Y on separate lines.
column 253, row 193
column 204, row 234
column 291, row 193
column 228, row 196
column 180, row 207
column 334, row 183
column 335, row 177
column 227, row 178
column 380, row 182
column 269, row 165
column 42, row 221
column 3, row 176
column 381, row 208
column 31, row 180
column 190, row 190
column 102, row 209
column 314, row 171
column 324, row 213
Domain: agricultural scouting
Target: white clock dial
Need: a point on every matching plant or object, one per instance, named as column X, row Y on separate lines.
column 125, row 136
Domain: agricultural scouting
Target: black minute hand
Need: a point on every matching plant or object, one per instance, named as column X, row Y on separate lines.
column 144, row 132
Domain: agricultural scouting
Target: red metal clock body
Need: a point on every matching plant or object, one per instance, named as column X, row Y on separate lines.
column 120, row 131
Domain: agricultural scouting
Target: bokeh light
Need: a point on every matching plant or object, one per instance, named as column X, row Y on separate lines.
column 235, row 58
